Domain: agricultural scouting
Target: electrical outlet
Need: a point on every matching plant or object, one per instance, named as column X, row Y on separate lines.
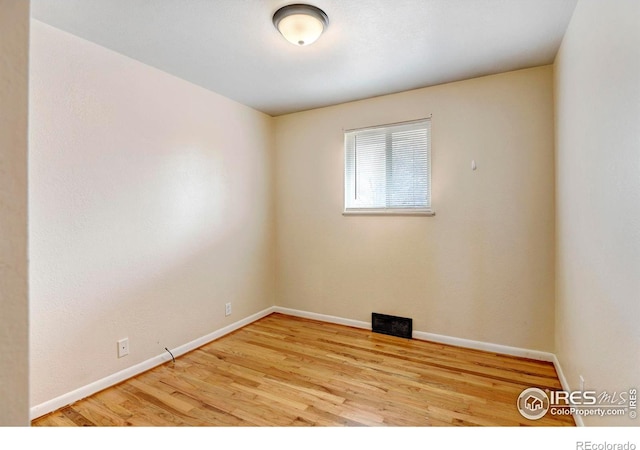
column 123, row 347
column 227, row 309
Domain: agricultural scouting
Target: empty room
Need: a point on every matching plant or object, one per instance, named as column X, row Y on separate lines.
column 253, row 213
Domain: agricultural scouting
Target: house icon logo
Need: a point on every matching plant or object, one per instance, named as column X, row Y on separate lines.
column 533, row 403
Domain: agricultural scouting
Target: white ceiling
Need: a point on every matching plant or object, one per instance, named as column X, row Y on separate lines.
column 371, row 47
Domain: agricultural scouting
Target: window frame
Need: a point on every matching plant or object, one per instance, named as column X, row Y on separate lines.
column 349, row 188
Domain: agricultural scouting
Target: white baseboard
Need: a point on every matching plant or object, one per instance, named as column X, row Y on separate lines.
column 323, row 317
column 92, row 388
column 566, row 387
column 485, row 346
column 440, row 339
column 118, row 377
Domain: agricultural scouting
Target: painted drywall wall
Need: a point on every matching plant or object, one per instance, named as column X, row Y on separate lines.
column 14, row 332
column 597, row 84
column 151, row 206
column 483, row 267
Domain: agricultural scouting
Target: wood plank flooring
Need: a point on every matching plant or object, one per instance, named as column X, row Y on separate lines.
column 288, row 371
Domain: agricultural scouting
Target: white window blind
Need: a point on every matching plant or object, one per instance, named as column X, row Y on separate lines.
column 388, row 169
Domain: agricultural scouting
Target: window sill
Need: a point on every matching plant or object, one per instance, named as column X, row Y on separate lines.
column 388, row 212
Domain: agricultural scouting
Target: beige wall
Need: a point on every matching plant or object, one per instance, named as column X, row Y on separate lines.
column 597, row 76
column 151, row 206
column 483, row 267
column 14, row 312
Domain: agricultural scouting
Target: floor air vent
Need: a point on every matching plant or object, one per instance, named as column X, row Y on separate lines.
column 392, row 325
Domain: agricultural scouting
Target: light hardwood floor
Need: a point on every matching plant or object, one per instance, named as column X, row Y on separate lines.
column 288, row 371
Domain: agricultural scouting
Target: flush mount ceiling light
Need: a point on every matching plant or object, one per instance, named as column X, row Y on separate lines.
column 300, row 24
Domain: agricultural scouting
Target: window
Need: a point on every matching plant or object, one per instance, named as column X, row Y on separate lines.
column 388, row 169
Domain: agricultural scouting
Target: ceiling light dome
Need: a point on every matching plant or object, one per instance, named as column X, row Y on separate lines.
column 300, row 24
